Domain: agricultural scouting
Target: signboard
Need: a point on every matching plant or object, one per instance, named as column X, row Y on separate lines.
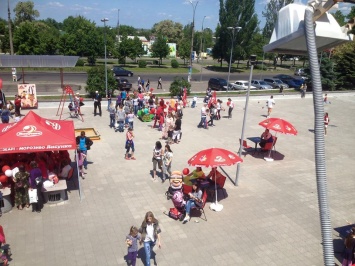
column 28, row 95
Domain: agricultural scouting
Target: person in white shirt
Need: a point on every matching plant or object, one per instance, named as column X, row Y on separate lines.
column 203, row 117
column 231, row 107
column 65, row 170
column 194, row 100
column 270, row 104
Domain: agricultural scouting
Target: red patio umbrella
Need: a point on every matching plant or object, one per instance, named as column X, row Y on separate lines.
column 278, row 125
column 214, row 157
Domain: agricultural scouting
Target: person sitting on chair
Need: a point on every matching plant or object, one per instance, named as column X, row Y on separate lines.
column 65, row 170
column 194, row 201
column 265, row 138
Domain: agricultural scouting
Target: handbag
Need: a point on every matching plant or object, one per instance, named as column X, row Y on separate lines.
column 32, row 194
column 175, row 214
column 128, row 145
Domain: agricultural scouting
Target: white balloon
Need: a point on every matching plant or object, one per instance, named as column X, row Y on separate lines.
column 8, row 173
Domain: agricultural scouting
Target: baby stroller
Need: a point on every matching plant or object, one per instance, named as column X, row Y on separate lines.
column 119, row 126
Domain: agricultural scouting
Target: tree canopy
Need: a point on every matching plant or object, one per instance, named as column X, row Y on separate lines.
column 24, row 11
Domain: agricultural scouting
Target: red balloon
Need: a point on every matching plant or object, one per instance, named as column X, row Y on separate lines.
column 3, row 178
column 186, row 171
column 5, row 167
column 152, row 111
column 0, row 83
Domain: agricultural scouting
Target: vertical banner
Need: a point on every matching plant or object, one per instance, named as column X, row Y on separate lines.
column 28, row 96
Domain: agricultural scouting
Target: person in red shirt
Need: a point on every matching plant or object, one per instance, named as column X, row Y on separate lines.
column 18, row 105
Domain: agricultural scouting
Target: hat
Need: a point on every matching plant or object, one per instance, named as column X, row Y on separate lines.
column 96, row 92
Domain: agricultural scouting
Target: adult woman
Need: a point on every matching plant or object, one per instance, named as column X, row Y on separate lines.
column 150, row 233
column 36, row 183
column 169, row 127
column 265, row 138
column 194, row 201
column 129, row 144
column 157, row 158
column 167, row 159
column 21, row 187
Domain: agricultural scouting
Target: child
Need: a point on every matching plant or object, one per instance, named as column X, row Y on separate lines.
column 130, row 118
column 81, row 158
column 132, row 245
column 326, row 122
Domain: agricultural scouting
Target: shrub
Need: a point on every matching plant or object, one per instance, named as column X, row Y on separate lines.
column 174, row 63
column 142, row 63
column 177, row 84
column 80, row 62
column 92, row 60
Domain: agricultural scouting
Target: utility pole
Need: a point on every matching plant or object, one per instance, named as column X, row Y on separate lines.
column 118, row 27
column 10, row 29
column 192, row 36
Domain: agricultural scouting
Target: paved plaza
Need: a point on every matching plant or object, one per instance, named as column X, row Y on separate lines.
column 271, row 218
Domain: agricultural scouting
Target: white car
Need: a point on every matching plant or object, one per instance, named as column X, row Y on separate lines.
column 241, row 85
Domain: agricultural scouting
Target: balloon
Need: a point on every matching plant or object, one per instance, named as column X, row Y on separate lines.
column 186, row 171
column 152, row 111
column 0, row 83
column 3, row 178
column 5, row 167
column 8, row 173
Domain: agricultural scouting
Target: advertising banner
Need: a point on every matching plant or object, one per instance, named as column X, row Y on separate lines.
column 28, row 95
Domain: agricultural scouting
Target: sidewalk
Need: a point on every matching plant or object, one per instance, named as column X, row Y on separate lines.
column 271, row 218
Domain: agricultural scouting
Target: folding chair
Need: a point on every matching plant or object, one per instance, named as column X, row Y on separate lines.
column 201, row 209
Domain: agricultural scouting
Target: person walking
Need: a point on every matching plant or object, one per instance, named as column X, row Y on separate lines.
column 147, row 85
column 150, row 231
column 167, row 160
column 132, row 245
column 120, row 117
column 230, row 104
column 326, row 122
column 112, row 111
column 270, row 104
column 129, row 144
column 157, row 158
column 177, row 130
column 138, row 81
column 160, row 85
column 84, row 144
column 109, row 99
column 22, row 184
column 203, row 116
column 18, row 105
column 97, row 103
column 36, row 182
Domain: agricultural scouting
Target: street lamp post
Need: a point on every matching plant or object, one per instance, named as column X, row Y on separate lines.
column 10, row 29
column 230, row 58
column 104, row 21
column 201, row 57
column 252, row 60
column 194, row 5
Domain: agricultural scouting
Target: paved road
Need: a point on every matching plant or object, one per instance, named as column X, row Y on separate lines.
column 271, row 218
column 48, row 83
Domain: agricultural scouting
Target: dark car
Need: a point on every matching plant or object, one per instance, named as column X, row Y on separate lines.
column 123, row 84
column 290, row 81
column 217, row 84
column 120, row 71
column 276, row 83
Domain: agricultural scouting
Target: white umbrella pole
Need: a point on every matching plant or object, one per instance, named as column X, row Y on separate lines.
column 216, row 206
column 269, row 159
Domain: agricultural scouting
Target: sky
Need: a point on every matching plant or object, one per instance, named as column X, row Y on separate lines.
column 138, row 13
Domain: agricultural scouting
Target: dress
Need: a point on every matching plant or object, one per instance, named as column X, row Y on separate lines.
column 21, row 188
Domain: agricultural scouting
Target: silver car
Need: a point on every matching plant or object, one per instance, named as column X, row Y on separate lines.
column 241, row 85
column 276, row 83
column 261, row 85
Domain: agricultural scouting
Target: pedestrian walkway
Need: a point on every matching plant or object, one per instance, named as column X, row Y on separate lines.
column 271, row 218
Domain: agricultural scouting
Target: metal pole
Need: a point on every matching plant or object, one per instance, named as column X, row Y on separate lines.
column 10, row 28
column 104, row 21
column 230, row 58
column 201, row 59
column 244, row 122
column 192, row 36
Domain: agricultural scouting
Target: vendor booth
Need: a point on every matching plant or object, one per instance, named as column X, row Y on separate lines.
column 37, row 134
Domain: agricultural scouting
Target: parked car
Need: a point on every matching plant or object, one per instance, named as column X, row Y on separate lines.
column 290, row 81
column 261, row 85
column 299, row 72
column 217, row 84
column 123, row 84
column 276, row 83
column 241, row 85
column 120, row 71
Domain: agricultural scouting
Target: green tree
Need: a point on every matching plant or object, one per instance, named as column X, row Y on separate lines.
column 270, row 14
column 24, row 11
column 124, row 49
column 344, row 65
column 184, row 49
column 136, row 49
column 35, row 38
column 127, row 30
column 234, row 13
column 81, row 37
column 172, row 31
column 351, row 16
column 53, row 23
column 4, row 36
column 160, row 49
column 339, row 17
column 96, row 81
column 177, row 84
column 327, row 74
